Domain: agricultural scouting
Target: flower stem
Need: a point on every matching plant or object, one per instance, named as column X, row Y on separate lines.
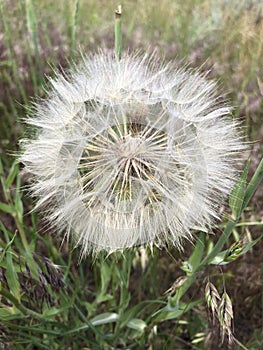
column 74, row 25
column 118, row 33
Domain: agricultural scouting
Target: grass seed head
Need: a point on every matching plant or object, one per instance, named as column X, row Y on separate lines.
column 212, row 298
column 225, row 317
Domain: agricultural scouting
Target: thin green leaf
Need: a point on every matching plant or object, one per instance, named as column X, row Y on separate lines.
column 253, row 184
column 6, row 208
column 1, row 167
column 8, row 313
column 220, row 259
column 238, row 193
column 19, row 207
column 198, row 251
column 164, row 314
column 12, row 174
column 49, row 312
column 251, row 244
column 7, row 247
column 137, row 324
column 107, row 317
column 12, row 277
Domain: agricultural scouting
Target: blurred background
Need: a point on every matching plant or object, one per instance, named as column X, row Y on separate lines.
column 225, row 39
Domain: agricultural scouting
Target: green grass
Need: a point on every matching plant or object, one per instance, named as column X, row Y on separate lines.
column 118, row 302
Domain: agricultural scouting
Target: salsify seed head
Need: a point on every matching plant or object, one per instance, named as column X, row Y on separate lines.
column 131, row 152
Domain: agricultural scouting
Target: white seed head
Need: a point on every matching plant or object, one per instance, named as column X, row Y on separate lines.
column 131, row 152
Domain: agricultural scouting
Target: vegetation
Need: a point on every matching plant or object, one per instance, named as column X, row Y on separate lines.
column 207, row 297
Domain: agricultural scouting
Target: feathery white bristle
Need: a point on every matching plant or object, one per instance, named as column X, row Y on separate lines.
column 131, row 152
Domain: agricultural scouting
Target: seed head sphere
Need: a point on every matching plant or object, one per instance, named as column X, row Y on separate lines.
column 131, row 152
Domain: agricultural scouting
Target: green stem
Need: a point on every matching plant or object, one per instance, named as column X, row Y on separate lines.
column 5, row 293
column 250, row 190
column 74, row 25
column 253, row 184
column 22, row 234
column 33, row 30
column 118, row 33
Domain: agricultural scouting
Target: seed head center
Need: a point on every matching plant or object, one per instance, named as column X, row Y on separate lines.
column 130, row 147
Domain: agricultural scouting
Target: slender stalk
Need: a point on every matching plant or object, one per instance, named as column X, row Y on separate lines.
column 33, row 30
column 74, row 25
column 22, row 234
column 118, row 33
